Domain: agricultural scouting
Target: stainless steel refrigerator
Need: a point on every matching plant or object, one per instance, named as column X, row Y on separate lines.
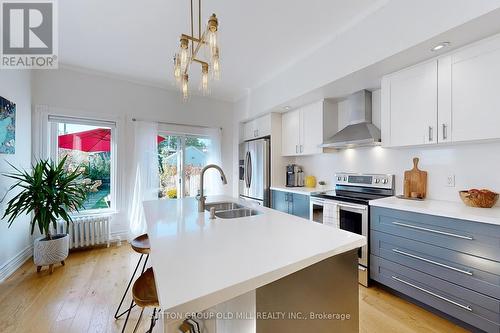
column 254, row 171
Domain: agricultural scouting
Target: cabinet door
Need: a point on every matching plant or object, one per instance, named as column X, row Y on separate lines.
column 249, row 130
column 290, row 122
column 300, row 206
column 411, row 104
column 475, row 78
column 263, row 126
column 311, row 129
column 280, row 201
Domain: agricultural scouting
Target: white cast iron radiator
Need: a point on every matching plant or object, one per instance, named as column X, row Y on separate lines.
column 86, row 231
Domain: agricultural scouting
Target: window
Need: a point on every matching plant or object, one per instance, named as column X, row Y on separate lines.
column 88, row 146
column 181, row 159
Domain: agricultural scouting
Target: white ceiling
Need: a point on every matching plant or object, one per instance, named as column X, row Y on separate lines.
column 259, row 38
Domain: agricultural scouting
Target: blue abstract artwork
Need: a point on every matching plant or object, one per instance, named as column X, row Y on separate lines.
column 7, row 126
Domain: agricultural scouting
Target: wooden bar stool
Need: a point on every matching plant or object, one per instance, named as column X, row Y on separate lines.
column 144, row 295
column 140, row 245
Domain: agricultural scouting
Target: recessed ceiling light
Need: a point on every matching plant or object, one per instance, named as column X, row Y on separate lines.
column 287, row 108
column 440, row 46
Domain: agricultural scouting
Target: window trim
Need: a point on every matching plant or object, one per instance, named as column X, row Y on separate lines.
column 53, row 121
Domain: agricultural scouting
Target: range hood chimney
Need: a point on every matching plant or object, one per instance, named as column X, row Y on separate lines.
column 360, row 131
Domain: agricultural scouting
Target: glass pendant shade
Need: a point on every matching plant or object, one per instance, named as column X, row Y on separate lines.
column 177, row 68
column 213, row 42
column 185, row 87
column 216, row 65
column 204, row 79
column 184, row 57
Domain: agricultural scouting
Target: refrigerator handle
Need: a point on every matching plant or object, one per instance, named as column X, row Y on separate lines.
column 250, row 169
column 247, row 185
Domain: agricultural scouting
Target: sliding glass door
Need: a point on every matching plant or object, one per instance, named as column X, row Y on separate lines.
column 181, row 159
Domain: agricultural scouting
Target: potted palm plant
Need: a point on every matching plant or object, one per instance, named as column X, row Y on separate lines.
column 49, row 193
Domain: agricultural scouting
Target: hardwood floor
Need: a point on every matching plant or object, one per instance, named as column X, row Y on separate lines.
column 82, row 297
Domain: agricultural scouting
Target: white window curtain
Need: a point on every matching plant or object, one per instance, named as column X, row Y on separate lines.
column 145, row 180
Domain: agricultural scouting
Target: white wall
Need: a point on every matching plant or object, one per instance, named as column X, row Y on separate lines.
column 474, row 165
column 15, row 243
column 90, row 94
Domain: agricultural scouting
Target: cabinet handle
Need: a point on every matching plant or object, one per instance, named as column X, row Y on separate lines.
column 445, row 132
column 432, row 230
column 430, row 134
column 431, row 262
column 286, row 196
column 296, row 148
column 465, row 307
column 301, row 148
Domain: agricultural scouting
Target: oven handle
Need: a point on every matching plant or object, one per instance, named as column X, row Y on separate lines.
column 342, row 205
column 318, row 201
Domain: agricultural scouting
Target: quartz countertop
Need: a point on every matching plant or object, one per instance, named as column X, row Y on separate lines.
column 456, row 210
column 301, row 190
column 199, row 262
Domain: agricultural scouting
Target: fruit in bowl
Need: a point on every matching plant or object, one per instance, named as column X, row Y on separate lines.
column 479, row 198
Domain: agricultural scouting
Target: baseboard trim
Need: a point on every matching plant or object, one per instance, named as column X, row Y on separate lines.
column 118, row 236
column 13, row 264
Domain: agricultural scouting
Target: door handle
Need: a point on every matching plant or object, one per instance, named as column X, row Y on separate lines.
column 445, row 131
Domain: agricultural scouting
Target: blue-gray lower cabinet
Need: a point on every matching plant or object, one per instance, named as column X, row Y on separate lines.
column 291, row 203
column 448, row 264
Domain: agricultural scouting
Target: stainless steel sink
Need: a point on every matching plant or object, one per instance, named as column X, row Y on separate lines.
column 235, row 213
column 221, row 206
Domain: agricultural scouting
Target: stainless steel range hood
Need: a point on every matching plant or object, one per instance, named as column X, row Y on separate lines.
column 360, row 131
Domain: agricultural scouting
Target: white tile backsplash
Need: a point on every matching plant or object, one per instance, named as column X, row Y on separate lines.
column 474, row 166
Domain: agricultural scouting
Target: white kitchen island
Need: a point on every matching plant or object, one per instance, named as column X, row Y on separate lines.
column 301, row 273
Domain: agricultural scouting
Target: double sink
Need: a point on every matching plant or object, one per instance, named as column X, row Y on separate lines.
column 231, row 210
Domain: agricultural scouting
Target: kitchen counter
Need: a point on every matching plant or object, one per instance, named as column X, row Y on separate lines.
column 199, row 263
column 300, row 190
column 456, row 210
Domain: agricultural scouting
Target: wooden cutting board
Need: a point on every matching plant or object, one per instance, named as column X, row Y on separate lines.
column 416, row 179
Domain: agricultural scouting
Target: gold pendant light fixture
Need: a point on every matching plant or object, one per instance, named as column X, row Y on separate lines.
column 189, row 53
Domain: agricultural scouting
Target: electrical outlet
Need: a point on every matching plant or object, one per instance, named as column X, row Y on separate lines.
column 450, row 180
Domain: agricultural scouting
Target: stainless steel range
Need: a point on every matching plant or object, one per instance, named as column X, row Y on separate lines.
column 347, row 207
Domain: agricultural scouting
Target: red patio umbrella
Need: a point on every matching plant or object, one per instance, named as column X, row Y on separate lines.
column 96, row 140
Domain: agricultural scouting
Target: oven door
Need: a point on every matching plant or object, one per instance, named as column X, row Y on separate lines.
column 354, row 218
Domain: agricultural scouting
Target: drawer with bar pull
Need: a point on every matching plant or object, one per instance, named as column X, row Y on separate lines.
column 475, row 238
column 475, row 273
column 474, row 308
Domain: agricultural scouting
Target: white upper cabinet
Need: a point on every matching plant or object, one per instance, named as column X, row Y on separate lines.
column 304, row 129
column 257, row 128
column 473, row 81
column 290, row 133
column 409, row 106
column 450, row 99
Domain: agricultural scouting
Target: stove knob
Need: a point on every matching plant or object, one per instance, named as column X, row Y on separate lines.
column 345, row 179
column 377, row 180
column 339, row 178
column 384, row 181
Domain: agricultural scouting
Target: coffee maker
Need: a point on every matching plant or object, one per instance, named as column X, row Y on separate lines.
column 294, row 176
